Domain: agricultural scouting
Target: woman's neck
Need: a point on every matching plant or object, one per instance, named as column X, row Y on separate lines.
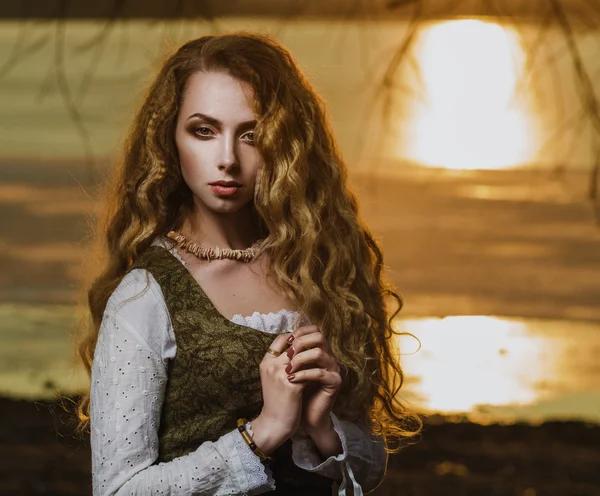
column 236, row 230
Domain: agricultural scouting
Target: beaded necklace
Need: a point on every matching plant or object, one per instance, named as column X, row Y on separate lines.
column 217, row 253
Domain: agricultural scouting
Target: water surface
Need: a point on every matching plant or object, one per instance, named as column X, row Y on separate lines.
column 491, row 369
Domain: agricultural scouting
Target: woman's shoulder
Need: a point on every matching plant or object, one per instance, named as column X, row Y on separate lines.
column 138, row 287
column 137, row 297
column 137, row 303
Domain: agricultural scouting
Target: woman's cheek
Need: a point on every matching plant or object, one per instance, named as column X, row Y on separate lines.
column 250, row 161
column 191, row 160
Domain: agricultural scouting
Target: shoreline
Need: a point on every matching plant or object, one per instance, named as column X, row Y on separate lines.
column 451, row 457
column 531, row 364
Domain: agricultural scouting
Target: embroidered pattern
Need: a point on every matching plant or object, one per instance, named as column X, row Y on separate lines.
column 198, row 402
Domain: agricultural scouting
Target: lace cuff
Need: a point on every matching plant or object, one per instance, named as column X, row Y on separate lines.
column 259, row 478
column 306, row 456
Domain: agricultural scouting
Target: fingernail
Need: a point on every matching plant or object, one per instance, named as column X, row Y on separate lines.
column 291, row 339
column 290, row 352
column 288, row 369
column 291, row 377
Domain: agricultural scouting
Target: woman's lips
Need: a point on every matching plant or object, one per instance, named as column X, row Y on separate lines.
column 224, row 190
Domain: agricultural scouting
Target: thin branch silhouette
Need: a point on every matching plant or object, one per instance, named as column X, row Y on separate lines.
column 586, row 88
column 22, row 51
column 65, row 90
column 553, row 17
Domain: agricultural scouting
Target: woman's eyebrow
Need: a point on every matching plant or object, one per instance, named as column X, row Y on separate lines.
column 207, row 118
column 217, row 123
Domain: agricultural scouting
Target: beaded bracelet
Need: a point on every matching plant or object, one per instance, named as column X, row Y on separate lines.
column 241, row 425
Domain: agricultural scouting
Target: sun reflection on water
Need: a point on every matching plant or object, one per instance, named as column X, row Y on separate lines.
column 491, row 369
column 479, row 364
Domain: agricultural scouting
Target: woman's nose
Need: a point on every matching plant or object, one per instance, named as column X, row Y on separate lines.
column 228, row 156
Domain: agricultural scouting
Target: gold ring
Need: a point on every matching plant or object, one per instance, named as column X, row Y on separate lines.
column 274, row 352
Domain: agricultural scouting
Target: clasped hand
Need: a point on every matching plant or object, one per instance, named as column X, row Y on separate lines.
column 312, row 374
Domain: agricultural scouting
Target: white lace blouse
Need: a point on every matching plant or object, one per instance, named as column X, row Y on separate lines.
column 129, row 376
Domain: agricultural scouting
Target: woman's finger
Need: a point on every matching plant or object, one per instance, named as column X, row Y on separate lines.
column 308, row 341
column 330, row 380
column 309, row 336
column 278, row 346
column 307, row 329
column 312, row 358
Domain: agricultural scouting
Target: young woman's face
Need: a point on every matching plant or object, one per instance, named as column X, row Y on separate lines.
column 215, row 140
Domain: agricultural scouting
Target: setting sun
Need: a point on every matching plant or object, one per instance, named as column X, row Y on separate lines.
column 469, row 116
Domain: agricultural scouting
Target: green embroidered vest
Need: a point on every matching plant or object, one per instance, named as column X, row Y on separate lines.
column 214, row 378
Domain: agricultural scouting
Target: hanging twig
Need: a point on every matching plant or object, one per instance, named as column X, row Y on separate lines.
column 386, row 85
column 21, row 51
column 98, row 43
column 65, row 90
column 594, row 194
column 586, row 87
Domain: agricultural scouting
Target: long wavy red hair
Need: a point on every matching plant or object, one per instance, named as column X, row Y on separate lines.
column 323, row 257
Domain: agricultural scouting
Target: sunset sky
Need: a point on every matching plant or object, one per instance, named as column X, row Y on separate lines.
column 481, row 258
column 468, row 96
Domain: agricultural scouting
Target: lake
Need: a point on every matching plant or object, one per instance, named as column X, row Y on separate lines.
column 489, row 369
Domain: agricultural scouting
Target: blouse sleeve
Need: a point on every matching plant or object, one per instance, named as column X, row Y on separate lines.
column 129, row 376
column 362, row 463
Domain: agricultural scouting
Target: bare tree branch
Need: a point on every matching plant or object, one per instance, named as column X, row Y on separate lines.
column 594, row 194
column 533, row 53
column 21, row 51
column 99, row 45
column 586, row 87
column 65, row 90
column 387, row 84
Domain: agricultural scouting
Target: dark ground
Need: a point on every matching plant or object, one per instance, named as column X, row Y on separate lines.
column 39, row 456
column 495, row 243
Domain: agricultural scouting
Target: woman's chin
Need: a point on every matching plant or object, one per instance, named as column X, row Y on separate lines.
column 223, row 205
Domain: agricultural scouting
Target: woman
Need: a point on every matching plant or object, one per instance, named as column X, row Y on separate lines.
column 240, row 302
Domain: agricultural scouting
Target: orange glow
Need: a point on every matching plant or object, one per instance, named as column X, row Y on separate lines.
column 470, row 117
column 499, row 368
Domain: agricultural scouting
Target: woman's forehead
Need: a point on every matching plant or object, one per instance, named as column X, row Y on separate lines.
column 218, row 95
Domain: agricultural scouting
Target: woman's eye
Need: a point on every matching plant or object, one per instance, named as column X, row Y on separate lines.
column 249, row 137
column 203, row 131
